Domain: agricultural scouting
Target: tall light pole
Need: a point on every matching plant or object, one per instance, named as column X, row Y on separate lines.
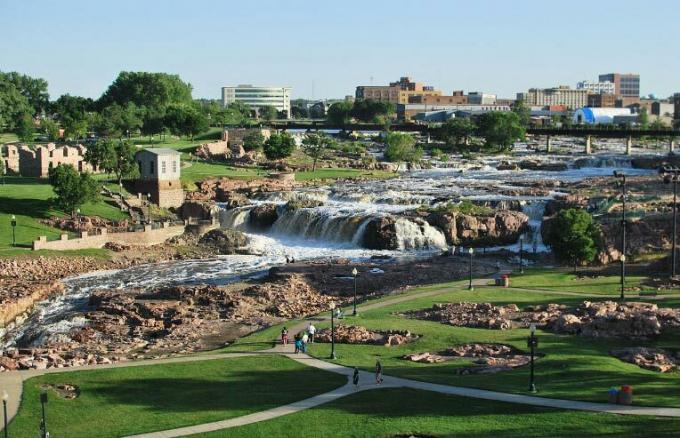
column 532, row 343
column 13, row 221
column 354, row 274
column 622, row 177
column 470, row 251
column 43, row 422
column 5, row 397
column 332, row 306
column 521, row 251
column 671, row 175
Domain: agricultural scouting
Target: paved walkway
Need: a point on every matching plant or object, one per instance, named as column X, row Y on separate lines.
column 12, row 382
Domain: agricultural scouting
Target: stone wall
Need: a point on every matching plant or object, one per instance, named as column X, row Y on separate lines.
column 147, row 237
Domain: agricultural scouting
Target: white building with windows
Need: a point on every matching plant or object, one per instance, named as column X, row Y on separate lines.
column 605, row 87
column 258, row 96
column 159, row 176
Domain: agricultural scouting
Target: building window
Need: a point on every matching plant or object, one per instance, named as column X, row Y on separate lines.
column 174, row 166
column 151, row 167
column 163, row 167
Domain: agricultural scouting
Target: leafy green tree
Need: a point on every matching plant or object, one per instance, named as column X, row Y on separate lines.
column 253, row 140
column 26, row 129
column 267, row 113
column 13, row 104
column 72, row 189
column 372, row 110
column 643, row 118
column 299, row 112
column 314, row 145
column 50, row 128
column 572, row 235
column 523, row 112
column 144, row 89
column 402, row 148
column 279, row 146
column 76, row 128
column 71, row 107
column 113, row 156
column 185, row 120
column 457, row 131
column 501, row 129
column 153, row 122
column 33, row 89
column 340, row 113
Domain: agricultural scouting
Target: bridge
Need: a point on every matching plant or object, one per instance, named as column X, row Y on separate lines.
column 587, row 132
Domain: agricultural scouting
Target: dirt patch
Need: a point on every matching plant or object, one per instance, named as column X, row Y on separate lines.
column 654, row 359
column 487, row 358
column 361, row 335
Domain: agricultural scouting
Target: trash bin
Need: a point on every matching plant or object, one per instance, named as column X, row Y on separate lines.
column 626, row 395
column 505, row 280
column 613, row 395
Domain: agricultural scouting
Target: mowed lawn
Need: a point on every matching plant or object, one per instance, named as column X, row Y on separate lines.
column 29, row 200
column 386, row 413
column 131, row 400
column 571, row 367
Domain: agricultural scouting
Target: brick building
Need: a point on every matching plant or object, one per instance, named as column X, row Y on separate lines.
column 159, row 175
column 38, row 160
column 398, row 92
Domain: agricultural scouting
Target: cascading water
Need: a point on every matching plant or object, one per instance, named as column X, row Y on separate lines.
column 235, row 218
column 320, row 223
column 533, row 238
column 411, row 235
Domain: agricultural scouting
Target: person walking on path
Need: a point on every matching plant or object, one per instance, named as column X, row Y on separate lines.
column 312, row 331
column 378, row 372
column 305, row 339
column 355, row 378
column 298, row 343
column 284, row 336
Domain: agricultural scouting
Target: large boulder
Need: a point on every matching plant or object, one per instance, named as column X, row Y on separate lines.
column 225, row 241
column 263, row 216
column 197, row 210
column 501, row 228
column 381, row 233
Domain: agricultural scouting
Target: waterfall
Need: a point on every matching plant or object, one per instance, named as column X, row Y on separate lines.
column 235, row 218
column 320, row 224
column 604, row 161
column 413, row 235
column 533, row 238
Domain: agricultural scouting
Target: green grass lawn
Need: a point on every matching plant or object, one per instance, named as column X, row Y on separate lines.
column 183, row 145
column 125, row 401
column 405, row 412
column 342, row 173
column 28, row 200
column 8, row 137
column 200, row 170
column 573, row 367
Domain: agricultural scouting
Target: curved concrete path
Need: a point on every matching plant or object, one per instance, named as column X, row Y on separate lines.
column 12, row 382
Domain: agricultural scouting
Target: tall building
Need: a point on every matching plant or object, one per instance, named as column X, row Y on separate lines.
column 625, row 84
column 398, row 92
column 257, row 97
column 606, row 87
column 603, row 100
column 478, row 98
column 562, row 95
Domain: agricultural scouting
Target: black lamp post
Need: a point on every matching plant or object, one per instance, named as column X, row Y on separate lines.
column 333, row 356
column 5, row 397
column 470, row 251
column 14, row 227
column 521, row 253
column 671, row 175
column 43, row 422
column 354, row 274
column 148, row 199
column 622, row 177
column 532, row 343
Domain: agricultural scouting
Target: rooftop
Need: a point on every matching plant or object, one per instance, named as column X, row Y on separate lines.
column 161, row 151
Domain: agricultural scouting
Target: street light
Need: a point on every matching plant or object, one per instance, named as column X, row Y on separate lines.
column 470, row 251
column 623, row 274
column 5, row 397
column 14, row 226
column 354, row 274
column 521, row 250
column 332, row 306
column 148, row 199
column 622, row 177
column 43, row 423
column 671, row 175
column 532, row 343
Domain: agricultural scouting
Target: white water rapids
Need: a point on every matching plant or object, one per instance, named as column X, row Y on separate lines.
column 334, row 230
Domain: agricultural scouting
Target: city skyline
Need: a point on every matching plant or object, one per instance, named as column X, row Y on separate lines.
column 79, row 48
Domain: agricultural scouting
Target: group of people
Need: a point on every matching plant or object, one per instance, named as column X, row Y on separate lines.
column 290, row 259
column 301, row 339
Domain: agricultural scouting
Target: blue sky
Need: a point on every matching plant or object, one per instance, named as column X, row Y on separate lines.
column 325, row 49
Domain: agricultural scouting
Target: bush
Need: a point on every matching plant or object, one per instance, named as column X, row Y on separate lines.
column 466, row 207
column 279, row 146
column 572, row 235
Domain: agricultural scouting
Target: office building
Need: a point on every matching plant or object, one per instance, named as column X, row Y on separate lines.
column 606, row 87
column 562, row 95
column 602, row 100
column 456, row 98
column 398, row 92
column 257, row 97
column 625, row 84
column 478, row 98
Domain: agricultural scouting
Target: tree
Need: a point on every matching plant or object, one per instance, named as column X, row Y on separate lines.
column 13, row 105
column 457, row 131
column 76, row 128
column 401, row 148
column 314, row 145
column 150, row 90
column 523, row 112
column 25, row 128
column 72, row 189
column 71, row 107
column 185, row 120
column 372, row 111
column 267, row 113
column 33, row 89
column 340, row 113
column 572, row 235
column 279, row 146
column 253, row 141
column 643, row 118
column 50, row 128
column 299, row 112
column 501, row 129
column 113, row 156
